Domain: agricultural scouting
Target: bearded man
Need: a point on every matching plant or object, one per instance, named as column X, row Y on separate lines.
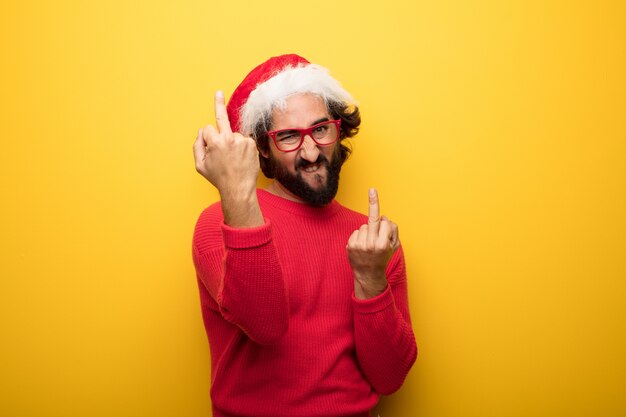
column 304, row 301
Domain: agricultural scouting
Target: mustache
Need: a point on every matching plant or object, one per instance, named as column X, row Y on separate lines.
column 321, row 159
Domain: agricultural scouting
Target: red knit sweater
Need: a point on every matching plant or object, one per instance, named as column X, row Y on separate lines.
column 287, row 336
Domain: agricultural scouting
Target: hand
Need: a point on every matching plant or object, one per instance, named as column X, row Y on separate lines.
column 228, row 160
column 369, row 250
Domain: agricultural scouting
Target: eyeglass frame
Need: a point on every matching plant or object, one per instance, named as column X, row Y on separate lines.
column 306, row 132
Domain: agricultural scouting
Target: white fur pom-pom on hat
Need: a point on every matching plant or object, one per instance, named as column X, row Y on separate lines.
column 267, row 85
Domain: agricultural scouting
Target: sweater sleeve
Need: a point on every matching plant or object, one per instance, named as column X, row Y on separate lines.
column 241, row 271
column 385, row 343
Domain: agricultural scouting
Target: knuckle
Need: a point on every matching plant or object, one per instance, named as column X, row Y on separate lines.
column 208, row 139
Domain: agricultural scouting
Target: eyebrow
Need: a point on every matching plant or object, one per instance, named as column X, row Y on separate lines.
column 320, row 120
column 323, row 119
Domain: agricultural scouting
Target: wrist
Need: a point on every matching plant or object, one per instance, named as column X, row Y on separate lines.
column 238, row 195
column 366, row 289
column 241, row 208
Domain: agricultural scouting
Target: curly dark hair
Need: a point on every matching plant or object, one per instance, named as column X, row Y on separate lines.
column 350, row 122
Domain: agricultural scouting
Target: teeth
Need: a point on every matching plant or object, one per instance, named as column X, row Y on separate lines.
column 311, row 168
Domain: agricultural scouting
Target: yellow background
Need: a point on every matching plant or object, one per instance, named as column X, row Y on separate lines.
column 495, row 132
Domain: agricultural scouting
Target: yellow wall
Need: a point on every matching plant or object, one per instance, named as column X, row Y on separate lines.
column 494, row 130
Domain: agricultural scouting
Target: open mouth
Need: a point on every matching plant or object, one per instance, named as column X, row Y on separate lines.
column 311, row 167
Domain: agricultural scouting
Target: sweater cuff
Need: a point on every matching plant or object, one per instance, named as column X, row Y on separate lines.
column 375, row 304
column 249, row 237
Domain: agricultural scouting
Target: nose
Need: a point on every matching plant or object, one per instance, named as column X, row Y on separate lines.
column 309, row 149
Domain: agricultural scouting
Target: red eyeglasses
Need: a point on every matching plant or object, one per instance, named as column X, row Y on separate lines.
column 323, row 134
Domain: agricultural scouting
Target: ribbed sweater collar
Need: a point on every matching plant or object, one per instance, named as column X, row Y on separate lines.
column 299, row 209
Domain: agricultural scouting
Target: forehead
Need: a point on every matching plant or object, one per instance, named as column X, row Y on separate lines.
column 299, row 111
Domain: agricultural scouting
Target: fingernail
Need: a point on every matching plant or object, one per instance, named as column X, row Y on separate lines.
column 219, row 94
column 372, row 192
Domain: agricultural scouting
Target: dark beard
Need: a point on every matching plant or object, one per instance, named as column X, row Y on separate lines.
column 298, row 187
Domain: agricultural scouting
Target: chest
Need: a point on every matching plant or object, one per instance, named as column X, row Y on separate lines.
column 315, row 267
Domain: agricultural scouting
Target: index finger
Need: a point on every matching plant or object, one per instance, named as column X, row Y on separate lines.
column 373, row 212
column 221, row 116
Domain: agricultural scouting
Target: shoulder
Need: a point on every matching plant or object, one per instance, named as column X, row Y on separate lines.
column 211, row 215
column 208, row 227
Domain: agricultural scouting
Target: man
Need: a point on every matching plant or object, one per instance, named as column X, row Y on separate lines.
column 304, row 301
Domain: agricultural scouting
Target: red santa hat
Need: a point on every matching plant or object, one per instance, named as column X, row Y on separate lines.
column 267, row 86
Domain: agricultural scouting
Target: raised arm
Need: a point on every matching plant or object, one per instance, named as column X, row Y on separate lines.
column 384, row 339
column 234, row 254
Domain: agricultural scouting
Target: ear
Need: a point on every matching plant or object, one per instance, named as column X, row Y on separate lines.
column 264, row 154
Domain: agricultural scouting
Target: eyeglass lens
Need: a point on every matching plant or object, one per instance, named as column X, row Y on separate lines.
column 323, row 133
